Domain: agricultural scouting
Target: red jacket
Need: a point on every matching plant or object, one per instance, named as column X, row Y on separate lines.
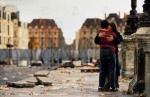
column 103, row 41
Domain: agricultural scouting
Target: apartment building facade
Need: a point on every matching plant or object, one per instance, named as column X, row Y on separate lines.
column 12, row 30
column 44, row 34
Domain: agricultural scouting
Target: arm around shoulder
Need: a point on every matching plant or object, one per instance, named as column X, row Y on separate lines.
column 96, row 39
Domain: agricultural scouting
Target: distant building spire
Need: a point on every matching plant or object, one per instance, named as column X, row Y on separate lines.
column 40, row 21
column 125, row 17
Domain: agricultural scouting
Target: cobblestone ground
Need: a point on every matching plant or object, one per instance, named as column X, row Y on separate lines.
column 66, row 83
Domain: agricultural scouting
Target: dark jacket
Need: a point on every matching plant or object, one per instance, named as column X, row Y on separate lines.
column 117, row 40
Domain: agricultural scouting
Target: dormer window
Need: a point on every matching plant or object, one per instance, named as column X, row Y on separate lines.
column 113, row 18
column 15, row 23
column 0, row 13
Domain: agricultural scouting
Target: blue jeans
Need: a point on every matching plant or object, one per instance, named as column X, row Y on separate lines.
column 107, row 66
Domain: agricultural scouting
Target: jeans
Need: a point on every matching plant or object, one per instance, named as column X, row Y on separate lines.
column 107, row 66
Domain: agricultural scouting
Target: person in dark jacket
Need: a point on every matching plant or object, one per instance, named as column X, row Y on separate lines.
column 116, row 40
column 107, row 56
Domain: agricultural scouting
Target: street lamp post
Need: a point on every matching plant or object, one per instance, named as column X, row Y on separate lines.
column 9, row 46
column 132, row 19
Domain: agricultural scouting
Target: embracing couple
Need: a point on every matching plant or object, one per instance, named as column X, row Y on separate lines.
column 108, row 38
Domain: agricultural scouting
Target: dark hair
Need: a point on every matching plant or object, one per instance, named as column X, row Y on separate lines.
column 104, row 24
column 113, row 26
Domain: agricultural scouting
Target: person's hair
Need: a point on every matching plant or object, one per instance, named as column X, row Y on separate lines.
column 113, row 26
column 104, row 24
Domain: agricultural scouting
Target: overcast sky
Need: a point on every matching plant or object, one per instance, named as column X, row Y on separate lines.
column 69, row 15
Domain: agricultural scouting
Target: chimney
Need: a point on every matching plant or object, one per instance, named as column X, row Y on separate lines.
column 40, row 22
column 119, row 15
column 125, row 16
column 105, row 16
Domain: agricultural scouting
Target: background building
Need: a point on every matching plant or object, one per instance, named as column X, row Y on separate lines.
column 120, row 22
column 85, row 39
column 21, row 38
column 44, row 34
column 12, row 30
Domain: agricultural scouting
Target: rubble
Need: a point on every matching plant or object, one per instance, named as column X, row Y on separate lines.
column 40, row 78
column 68, row 82
column 89, row 64
column 36, row 63
column 68, row 64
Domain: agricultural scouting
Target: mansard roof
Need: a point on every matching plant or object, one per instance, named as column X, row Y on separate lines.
column 43, row 22
column 92, row 22
column 114, row 17
column 15, row 15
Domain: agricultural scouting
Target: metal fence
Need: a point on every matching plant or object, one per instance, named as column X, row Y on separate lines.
column 47, row 56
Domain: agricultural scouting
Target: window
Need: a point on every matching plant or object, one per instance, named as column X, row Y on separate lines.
column 15, row 43
column 84, row 32
column 91, row 38
column 36, row 29
column 49, row 41
column 15, row 34
column 8, row 17
column 24, row 25
column 8, row 30
column 4, row 15
column 8, row 40
column 49, row 32
column 15, row 24
column 91, row 30
column 54, row 44
column 0, row 13
column 0, row 27
column 42, row 42
column 0, row 40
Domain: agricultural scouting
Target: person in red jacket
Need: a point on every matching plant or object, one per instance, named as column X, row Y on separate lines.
column 117, row 40
column 107, row 56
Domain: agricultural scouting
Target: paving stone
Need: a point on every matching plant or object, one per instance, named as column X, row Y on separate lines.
column 43, row 73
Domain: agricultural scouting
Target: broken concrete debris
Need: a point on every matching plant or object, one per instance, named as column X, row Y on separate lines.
column 40, row 78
